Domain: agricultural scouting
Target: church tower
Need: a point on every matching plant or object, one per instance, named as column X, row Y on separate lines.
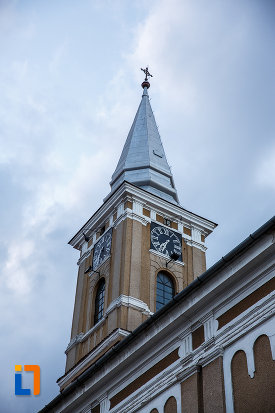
column 137, row 251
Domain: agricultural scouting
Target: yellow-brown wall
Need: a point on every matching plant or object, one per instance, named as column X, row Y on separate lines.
column 254, row 394
column 132, row 271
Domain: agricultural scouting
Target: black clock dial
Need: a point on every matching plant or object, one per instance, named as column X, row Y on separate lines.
column 165, row 241
column 102, row 249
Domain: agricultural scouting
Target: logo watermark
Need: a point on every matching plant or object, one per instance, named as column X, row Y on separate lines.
column 18, row 380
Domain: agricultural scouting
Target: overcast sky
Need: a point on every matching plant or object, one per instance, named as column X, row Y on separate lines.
column 69, row 90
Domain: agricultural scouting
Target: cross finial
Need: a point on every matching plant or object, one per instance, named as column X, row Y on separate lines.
column 146, row 71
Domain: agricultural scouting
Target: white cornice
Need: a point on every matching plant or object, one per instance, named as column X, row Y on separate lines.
column 181, row 369
column 83, row 257
column 126, row 191
column 122, row 300
column 128, row 301
column 196, row 244
column 129, row 214
column 103, row 345
column 149, row 391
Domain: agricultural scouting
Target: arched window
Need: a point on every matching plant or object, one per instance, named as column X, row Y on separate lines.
column 165, row 289
column 170, row 405
column 99, row 300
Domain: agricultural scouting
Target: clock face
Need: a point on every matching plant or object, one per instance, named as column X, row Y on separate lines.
column 165, row 241
column 102, row 249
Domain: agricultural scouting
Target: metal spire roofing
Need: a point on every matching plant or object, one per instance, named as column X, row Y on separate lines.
column 143, row 161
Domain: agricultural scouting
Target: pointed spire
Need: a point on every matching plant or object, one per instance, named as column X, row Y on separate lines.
column 143, row 161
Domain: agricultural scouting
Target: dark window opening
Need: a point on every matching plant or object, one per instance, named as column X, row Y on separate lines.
column 99, row 301
column 165, row 290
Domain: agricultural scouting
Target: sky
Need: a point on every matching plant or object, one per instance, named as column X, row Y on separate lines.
column 70, row 87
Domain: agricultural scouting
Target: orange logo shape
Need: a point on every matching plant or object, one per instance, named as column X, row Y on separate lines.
column 18, row 379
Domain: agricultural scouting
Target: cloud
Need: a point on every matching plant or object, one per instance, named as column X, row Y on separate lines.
column 70, row 87
column 265, row 172
column 16, row 273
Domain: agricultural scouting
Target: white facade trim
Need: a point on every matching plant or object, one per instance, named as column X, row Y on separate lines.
column 180, row 227
column 145, row 199
column 152, row 389
column 170, row 331
column 131, row 215
column 129, row 301
column 246, row 344
column 83, row 257
column 196, row 244
column 125, row 300
column 104, row 344
column 74, row 341
column 104, row 404
column 196, row 235
column 186, row 346
column 209, row 327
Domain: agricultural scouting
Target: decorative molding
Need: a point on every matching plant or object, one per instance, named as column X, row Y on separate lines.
column 103, row 345
column 196, row 244
column 125, row 300
column 148, row 392
column 129, row 301
column 166, row 226
column 209, row 326
column 138, row 208
column 202, row 356
column 202, row 306
column 196, row 235
column 84, row 248
column 158, row 205
column 246, row 344
column 120, row 209
column 180, row 227
column 83, row 257
column 186, row 346
column 104, row 403
column 244, row 290
column 87, row 409
column 132, row 215
column 73, row 342
column 187, row 371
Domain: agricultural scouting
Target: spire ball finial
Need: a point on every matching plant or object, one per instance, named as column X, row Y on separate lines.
column 147, row 74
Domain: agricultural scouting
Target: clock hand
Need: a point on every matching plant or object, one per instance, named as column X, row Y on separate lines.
column 163, row 245
column 101, row 251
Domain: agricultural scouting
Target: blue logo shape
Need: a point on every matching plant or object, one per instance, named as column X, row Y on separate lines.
column 18, row 386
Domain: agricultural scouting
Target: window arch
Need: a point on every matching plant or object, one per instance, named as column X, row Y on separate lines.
column 165, row 289
column 170, row 405
column 99, row 301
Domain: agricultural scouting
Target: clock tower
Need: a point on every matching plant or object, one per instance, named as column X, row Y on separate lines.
column 137, row 251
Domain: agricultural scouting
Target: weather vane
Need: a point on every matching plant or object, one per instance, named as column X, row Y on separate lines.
column 146, row 71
